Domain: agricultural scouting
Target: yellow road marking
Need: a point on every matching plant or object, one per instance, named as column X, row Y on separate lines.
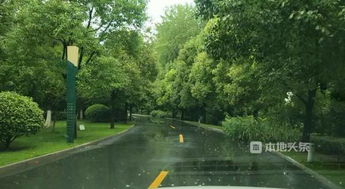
column 158, row 180
column 172, row 127
column 181, row 138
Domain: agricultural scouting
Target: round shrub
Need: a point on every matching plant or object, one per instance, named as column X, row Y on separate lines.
column 19, row 116
column 98, row 113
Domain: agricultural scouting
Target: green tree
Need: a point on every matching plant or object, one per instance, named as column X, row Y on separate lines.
column 103, row 81
column 36, row 33
column 179, row 25
column 297, row 45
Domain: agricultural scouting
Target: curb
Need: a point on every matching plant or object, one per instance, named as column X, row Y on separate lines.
column 39, row 160
column 316, row 175
column 204, row 127
column 209, row 128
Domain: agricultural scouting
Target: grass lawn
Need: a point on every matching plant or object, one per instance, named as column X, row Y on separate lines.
column 46, row 141
column 324, row 165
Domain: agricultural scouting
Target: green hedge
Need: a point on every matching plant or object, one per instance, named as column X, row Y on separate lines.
column 329, row 145
column 246, row 129
column 97, row 113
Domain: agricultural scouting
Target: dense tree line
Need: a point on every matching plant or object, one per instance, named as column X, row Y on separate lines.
column 279, row 60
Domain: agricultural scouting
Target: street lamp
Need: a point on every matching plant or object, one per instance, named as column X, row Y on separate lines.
column 72, row 68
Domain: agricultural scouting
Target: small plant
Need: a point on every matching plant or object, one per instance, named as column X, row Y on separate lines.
column 98, row 113
column 19, row 116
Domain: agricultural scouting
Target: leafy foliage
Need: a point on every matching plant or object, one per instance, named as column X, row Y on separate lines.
column 290, row 43
column 35, row 34
column 179, row 25
column 19, row 116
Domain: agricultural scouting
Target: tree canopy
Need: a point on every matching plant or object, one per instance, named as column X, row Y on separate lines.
column 272, row 59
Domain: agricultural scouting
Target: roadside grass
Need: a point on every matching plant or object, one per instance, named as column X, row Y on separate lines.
column 324, row 165
column 48, row 141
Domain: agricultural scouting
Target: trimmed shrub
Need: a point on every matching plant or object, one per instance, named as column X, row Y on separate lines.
column 329, row 145
column 159, row 114
column 248, row 128
column 97, row 113
column 19, row 116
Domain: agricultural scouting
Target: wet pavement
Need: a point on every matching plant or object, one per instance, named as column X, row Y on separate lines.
column 135, row 158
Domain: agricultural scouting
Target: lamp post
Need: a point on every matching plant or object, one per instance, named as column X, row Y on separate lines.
column 72, row 68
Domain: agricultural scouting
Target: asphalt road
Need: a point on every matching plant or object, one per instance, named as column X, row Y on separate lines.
column 153, row 152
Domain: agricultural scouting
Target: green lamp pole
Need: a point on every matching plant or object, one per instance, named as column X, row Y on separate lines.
column 72, row 68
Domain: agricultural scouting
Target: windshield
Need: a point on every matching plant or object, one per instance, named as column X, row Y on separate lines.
column 172, row 94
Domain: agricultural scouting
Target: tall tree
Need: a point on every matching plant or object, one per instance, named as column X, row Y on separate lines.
column 179, row 24
column 298, row 45
column 103, row 80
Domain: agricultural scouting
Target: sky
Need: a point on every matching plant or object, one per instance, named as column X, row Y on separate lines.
column 156, row 9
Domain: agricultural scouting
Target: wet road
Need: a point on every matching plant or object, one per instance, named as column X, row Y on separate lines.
column 135, row 159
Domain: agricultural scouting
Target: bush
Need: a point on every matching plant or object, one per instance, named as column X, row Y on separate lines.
column 97, row 113
column 247, row 129
column 159, row 114
column 329, row 145
column 19, row 116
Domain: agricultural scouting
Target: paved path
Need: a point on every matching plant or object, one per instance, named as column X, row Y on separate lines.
column 165, row 153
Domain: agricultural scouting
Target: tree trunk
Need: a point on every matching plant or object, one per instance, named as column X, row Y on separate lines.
column 75, row 126
column 308, row 119
column 81, row 114
column 182, row 115
column 8, row 141
column 48, row 121
column 126, row 112
column 204, row 113
column 130, row 112
column 112, row 120
column 54, row 122
column 7, row 145
column 64, row 51
column 112, row 110
column 256, row 114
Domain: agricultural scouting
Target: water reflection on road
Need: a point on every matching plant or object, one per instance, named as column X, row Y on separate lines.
column 135, row 158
